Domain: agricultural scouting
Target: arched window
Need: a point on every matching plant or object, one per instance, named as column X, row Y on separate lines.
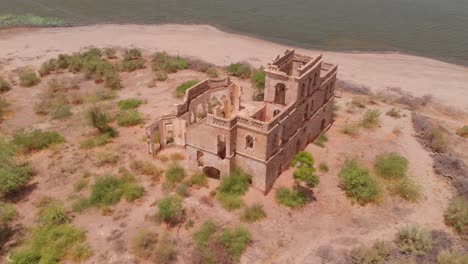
column 276, row 112
column 249, row 140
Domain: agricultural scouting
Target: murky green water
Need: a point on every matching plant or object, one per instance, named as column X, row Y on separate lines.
column 434, row 28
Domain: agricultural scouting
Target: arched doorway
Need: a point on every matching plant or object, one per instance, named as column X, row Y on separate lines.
column 212, row 172
column 280, row 93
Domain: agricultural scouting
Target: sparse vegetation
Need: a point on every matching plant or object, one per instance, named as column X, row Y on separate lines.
column 391, row 165
column 132, row 60
column 80, row 184
column 110, row 53
column 14, row 174
column 462, row 131
column 232, row 188
column 350, row 129
column 4, row 85
column 371, row 119
column 97, row 141
column 254, row 213
column 436, row 139
column 128, row 118
column 162, row 62
column 235, row 241
column 106, row 158
column 452, row 257
column 171, row 210
column 181, row 89
column 7, row 214
column 240, row 69
column 305, row 171
column 408, row 189
column 356, row 181
column 108, row 189
column 358, row 102
column 36, row 139
column 321, row 140
column 323, row 167
column 378, row 253
column 456, row 216
column 394, row 112
column 144, row 243
column 212, row 72
column 199, row 179
column 175, row 174
column 294, row 198
column 28, row 77
column 100, row 120
column 129, row 104
column 412, row 240
column 146, row 168
column 4, row 105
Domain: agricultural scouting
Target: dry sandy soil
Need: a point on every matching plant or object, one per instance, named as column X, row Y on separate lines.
column 330, row 224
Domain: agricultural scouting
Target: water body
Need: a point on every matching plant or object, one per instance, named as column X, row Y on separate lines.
column 433, row 28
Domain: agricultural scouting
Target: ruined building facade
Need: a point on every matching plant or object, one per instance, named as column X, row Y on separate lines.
column 220, row 133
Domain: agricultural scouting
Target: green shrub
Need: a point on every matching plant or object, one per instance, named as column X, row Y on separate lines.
column 161, row 76
column 110, row 53
column 175, row 173
column 357, row 183
column 412, row 240
column 128, row 118
column 408, row 189
column 13, row 173
column 28, row 77
column 377, row 254
column 202, row 236
column 391, row 165
column 132, row 60
column 254, row 213
column 235, row 241
column 394, row 112
column 80, row 252
column 462, row 131
column 212, row 72
column 181, row 89
column 36, row 139
column 80, row 204
column 199, row 179
column 452, row 257
column 239, row 69
column 129, row 104
column 321, row 140
column 48, row 66
column 7, row 214
column 456, row 216
column 99, row 140
column 350, row 129
column 146, row 168
column 258, row 79
column 112, row 80
column 305, row 172
column 323, row 167
column 53, row 213
column 100, row 120
column 230, row 202
column 107, row 158
column 144, row 243
column 165, row 252
column 232, row 188
column 61, row 112
column 165, row 63
column 4, row 85
column 371, row 119
column 108, row 189
column 437, row 140
column 171, row 210
column 294, row 198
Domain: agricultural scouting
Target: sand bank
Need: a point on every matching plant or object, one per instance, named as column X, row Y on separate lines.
column 448, row 83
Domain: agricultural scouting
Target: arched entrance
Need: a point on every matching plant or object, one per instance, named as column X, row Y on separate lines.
column 280, row 93
column 212, row 172
column 322, row 125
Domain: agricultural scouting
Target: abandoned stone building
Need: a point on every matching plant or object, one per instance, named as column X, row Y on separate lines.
column 220, row 133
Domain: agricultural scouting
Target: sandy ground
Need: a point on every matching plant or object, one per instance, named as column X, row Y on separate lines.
column 446, row 82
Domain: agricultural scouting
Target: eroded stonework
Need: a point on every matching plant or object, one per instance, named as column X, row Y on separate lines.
column 220, row 133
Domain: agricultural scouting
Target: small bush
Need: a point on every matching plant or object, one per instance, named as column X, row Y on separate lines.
column 97, row 141
column 408, row 189
column 127, row 118
column 321, row 140
column 108, row 189
column 391, row 165
column 212, row 72
column 107, row 158
column 36, row 139
column 452, row 257
column 436, row 139
column 235, row 241
column 377, row 254
column 183, row 190
column 323, row 167
column 175, row 173
column 305, row 172
column 129, row 104
column 456, row 216
column 80, row 204
column 4, row 85
column 258, row 80
column 254, row 213
column 171, row 210
column 146, row 168
column 100, row 120
column 395, row 113
column 80, row 252
column 61, row 112
column 199, row 179
column 165, row 252
column 294, row 198
column 412, row 240
column 144, row 243
column 357, row 183
column 230, row 202
column 7, row 214
column 350, row 129
column 232, row 188
column 371, row 119
column 462, row 131
column 242, row 70
column 28, row 77
column 165, row 63
column 181, row 89
column 80, row 184
column 13, row 173
column 132, row 60
column 53, row 213
column 161, row 76
column 110, row 53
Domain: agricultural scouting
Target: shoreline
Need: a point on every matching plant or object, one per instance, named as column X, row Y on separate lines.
column 20, row 46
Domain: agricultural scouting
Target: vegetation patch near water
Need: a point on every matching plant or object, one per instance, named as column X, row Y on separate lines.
column 9, row 20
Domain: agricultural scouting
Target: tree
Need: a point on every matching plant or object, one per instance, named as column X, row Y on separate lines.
column 305, row 172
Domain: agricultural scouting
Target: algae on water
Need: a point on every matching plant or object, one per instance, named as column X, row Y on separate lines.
column 29, row 20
